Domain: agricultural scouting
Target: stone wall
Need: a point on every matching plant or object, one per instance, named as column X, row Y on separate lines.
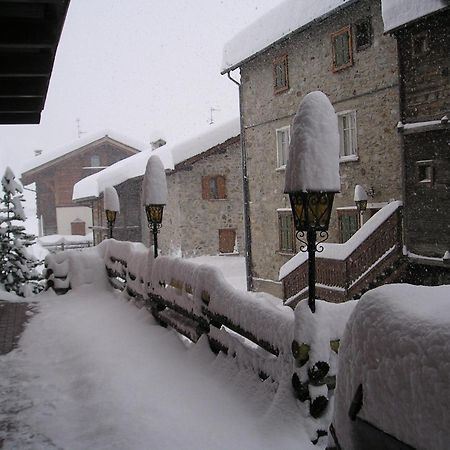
column 369, row 86
column 191, row 223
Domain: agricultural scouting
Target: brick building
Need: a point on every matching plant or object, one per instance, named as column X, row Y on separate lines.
column 339, row 48
column 423, row 41
column 55, row 173
column 203, row 215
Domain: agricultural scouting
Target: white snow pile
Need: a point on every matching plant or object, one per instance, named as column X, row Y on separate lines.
column 277, row 24
column 154, row 185
column 48, row 156
column 313, row 163
column 94, row 372
column 343, row 251
column 401, row 12
column 397, row 345
column 170, row 154
column 111, row 199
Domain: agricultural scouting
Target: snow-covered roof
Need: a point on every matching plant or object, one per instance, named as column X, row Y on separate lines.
column 49, row 156
column 286, row 18
column 170, row 154
column 397, row 13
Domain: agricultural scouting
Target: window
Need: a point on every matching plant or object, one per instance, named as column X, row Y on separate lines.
column 286, row 231
column 95, row 161
column 341, row 42
column 420, row 43
column 214, row 187
column 280, row 74
column 348, row 224
column 283, row 136
column 363, row 34
column 425, row 172
column 347, row 135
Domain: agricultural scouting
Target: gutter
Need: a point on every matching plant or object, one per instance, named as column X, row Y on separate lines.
column 246, row 193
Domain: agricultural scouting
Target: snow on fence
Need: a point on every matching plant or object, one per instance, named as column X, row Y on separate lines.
column 256, row 329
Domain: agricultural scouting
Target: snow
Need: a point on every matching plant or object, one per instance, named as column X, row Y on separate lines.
column 284, row 19
column 170, row 154
column 94, row 372
column 154, row 185
column 49, row 156
column 111, row 199
column 343, row 251
column 397, row 345
column 360, row 193
column 59, row 239
column 401, row 12
column 313, row 163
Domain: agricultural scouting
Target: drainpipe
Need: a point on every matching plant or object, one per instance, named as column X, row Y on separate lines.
column 246, row 192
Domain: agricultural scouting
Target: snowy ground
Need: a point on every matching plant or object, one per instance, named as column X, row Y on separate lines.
column 94, row 372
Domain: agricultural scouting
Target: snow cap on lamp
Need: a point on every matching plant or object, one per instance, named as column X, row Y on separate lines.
column 313, row 162
column 154, row 185
column 111, row 199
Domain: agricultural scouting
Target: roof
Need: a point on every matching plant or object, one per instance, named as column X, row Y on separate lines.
column 397, row 13
column 29, row 35
column 170, row 154
column 48, row 158
column 278, row 24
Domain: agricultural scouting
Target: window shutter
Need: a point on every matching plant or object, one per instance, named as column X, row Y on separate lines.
column 221, row 186
column 205, row 188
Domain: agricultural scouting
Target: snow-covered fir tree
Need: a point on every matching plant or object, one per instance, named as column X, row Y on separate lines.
column 17, row 267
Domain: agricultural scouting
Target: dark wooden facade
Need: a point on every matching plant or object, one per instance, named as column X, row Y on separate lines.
column 424, row 65
column 55, row 179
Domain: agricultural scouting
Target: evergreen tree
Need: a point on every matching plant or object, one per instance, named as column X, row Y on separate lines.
column 17, row 268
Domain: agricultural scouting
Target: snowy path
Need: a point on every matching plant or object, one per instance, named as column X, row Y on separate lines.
column 94, row 372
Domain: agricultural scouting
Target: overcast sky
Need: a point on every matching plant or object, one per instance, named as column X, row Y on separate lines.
column 143, row 68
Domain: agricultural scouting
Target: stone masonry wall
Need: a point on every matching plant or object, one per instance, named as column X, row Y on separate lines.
column 369, row 86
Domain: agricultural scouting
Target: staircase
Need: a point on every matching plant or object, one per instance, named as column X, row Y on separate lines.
column 371, row 257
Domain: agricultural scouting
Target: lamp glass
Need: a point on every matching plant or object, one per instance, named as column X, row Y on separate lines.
column 312, row 210
column 110, row 216
column 154, row 213
column 361, row 205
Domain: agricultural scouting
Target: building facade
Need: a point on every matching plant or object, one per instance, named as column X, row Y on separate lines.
column 55, row 175
column 345, row 54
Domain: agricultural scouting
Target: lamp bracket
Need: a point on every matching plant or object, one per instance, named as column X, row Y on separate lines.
column 318, row 247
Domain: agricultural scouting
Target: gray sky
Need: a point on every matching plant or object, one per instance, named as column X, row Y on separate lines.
column 139, row 67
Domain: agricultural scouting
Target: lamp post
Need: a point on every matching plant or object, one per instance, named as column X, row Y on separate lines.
column 111, row 206
column 312, row 176
column 154, row 193
column 360, row 199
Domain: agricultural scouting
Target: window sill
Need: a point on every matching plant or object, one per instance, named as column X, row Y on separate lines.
column 286, row 253
column 349, row 158
column 281, row 169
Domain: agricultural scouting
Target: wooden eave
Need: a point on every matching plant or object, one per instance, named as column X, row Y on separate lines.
column 30, row 31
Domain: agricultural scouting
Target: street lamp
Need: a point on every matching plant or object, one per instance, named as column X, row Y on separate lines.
column 112, row 207
column 360, row 199
column 154, row 192
column 312, row 176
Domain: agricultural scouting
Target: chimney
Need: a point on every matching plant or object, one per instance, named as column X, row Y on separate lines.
column 158, row 143
column 37, row 152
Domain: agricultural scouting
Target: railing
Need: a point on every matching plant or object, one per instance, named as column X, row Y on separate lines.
column 345, row 271
column 256, row 329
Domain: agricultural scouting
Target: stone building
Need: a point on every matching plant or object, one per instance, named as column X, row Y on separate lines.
column 203, row 215
column 423, row 41
column 55, row 174
column 339, row 48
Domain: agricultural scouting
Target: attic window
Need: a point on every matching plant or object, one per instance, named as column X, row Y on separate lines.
column 341, row 43
column 425, row 172
column 95, row 161
column 363, row 34
column 420, row 44
column 280, row 74
column 214, row 188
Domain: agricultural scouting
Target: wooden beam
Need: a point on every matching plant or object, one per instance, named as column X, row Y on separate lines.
column 25, row 64
column 22, row 105
column 19, row 118
column 23, row 87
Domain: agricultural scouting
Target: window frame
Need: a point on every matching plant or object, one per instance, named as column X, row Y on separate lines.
column 353, row 156
column 281, row 162
column 290, row 235
column 97, row 159
column 425, row 36
column 345, row 30
column 283, row 62
column 425, row 181
column 366, row 20
column 221, row 186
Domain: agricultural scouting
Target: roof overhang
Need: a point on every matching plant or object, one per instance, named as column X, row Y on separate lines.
column 29, row 35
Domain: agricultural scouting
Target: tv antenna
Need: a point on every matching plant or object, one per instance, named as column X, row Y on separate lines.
column 79, row 131
column 211, row 111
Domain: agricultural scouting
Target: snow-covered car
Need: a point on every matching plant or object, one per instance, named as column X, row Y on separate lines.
column 393, row 386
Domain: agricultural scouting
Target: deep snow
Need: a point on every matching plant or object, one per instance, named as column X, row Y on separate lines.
column 94, row 372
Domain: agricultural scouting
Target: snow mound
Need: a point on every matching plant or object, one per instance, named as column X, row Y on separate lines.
column 397, row 345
